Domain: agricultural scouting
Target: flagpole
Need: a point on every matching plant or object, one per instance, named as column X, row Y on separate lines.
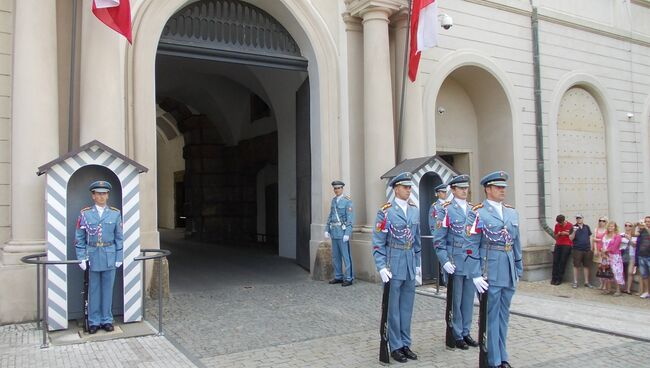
column 407, row 48
column 73, row 63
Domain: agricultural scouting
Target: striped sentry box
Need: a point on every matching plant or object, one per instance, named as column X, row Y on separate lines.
column 435, row 165
column 59, row 173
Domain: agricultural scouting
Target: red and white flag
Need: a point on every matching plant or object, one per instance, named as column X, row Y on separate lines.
column 116, row 14
column 424, row 32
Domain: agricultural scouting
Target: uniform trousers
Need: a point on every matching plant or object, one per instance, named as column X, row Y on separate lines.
column 341, row 250
column 400, row 311
column 463, row 306
column 499, row 299
column 100, row 298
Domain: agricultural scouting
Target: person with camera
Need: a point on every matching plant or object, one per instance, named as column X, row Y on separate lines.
column 562, row 251
column 581, row 251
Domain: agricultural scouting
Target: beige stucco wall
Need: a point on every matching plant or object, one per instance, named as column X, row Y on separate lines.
column 6, row 45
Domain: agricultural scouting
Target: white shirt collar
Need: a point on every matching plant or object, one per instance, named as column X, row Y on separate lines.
column 100, row 209
column 402, row 204
column 497, row 206
column 339, row 197
column 462, row 203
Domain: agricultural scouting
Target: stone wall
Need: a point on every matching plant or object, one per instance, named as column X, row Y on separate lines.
column 6, row 48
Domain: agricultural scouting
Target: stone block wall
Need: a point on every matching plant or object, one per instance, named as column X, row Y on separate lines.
column 220, row 183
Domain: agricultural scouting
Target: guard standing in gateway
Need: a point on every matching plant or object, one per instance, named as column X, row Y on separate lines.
column 339, row 228
column 98, row 243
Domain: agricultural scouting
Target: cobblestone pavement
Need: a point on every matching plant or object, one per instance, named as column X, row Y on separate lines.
column 229, row 311
column 313, row 324
column 20, row 347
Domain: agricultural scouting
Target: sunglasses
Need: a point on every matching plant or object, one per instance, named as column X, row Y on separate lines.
column 602, row 221
column 628, row 225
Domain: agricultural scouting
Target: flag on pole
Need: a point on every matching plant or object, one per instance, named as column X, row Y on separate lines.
column 424, row 32
column 116, row 14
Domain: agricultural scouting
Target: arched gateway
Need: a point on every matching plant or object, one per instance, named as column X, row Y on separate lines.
column 264, row 53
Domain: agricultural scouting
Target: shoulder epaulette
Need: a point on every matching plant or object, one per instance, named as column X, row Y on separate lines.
column 470, row 204
column 411, row 203
column 347, row 196
column 85, row 209
column 507, row 205
column 386, row 206
column 447, row 203
column 480, row 205
column 115, row 209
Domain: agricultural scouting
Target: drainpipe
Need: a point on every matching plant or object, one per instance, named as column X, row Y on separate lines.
column 541, row 189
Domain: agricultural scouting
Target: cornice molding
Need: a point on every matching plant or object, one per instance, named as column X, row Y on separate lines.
column 567, row 20
column 358, row 7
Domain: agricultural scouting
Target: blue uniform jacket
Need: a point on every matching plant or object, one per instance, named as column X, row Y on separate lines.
column 92, row 229
column 396, row 240
column 337, row 227
column 486, row 229
column 450, row 238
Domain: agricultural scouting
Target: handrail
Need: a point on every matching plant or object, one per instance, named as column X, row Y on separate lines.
column 35, row 259
column 160, row 253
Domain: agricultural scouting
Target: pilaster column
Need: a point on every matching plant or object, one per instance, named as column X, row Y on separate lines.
column 354, row 113
column 102, row 83
column 412, row 143
column 379, row 137
column 35, row 123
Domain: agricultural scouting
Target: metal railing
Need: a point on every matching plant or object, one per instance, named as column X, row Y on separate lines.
column 41, row 297
column 41, row 290
column 158, row 256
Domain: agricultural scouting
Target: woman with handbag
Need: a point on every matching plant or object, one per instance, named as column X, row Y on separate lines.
column 612, row 252
column 600, row 231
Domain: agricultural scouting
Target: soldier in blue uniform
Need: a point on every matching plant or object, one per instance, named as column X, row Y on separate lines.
column 98, row 240
column 452, row 249
column 339, row 228
column 494, row 227
column 441, row 194
column 396, row 249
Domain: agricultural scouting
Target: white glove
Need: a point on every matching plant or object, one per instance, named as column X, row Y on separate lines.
column 418, row 275
column 82, row 265
column 327, row 235
column 118, row 264
column 385, row 275
column 345, row 238
column 450, row 268
column 481, row 284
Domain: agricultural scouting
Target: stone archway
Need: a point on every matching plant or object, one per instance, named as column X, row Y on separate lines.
column 594, row 87
column 468, row 88
column 582, row 156
column 311, row 34
column 460, row 65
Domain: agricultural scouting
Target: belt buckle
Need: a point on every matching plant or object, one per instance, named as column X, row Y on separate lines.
column 408, row 245
column 507, row 247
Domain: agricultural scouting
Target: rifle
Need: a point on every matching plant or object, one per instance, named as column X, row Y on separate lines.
column 450, row 340
column 85, row 297
column 384, row 353
column 482, row 321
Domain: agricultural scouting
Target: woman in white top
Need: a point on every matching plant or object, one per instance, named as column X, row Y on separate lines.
column 628, row 248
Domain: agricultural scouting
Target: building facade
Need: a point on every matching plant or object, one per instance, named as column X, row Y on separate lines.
column 245, row 110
